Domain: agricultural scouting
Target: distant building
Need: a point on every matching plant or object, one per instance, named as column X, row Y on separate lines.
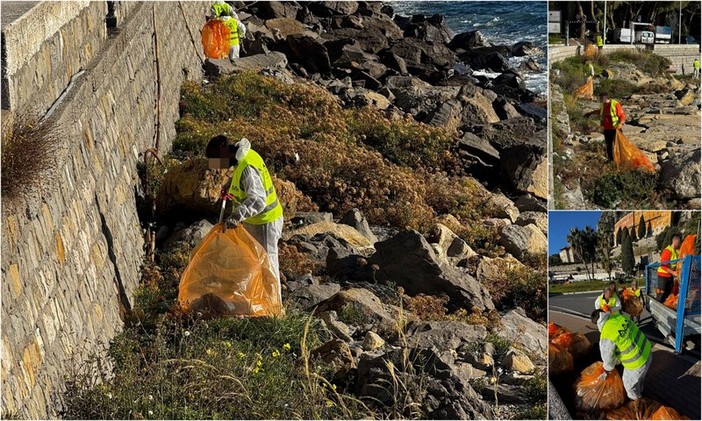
column 657, row 221
column 566, row 254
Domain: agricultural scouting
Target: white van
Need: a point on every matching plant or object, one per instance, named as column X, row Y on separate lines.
column 622, row 36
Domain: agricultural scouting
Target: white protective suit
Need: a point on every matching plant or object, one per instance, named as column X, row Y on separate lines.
column 617, row 306
column 633, row 379
column 267, row 234
column 241, row 28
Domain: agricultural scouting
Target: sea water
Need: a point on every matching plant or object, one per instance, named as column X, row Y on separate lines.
column 501, row 22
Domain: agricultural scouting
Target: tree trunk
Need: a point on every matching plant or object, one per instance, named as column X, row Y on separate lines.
column 583, row 18
column 597, row 21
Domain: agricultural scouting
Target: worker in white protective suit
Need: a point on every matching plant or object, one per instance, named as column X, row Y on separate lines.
column 621, row 341
column 256, row 203
column 608, row 302
column 237, row 30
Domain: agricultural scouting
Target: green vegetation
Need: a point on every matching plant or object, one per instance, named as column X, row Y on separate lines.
column 576, row 286
column 644, row 60
column 397, row 172
column 625, row 190
column 501, row 346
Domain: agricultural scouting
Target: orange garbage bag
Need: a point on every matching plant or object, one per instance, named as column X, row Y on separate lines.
column 591, row 394
column 627, row 293
column 554, row 330
column 667, row 413
column 575, row 343
column 215, row 39
column 559, row 360
column 590, row 51
column 632, row 306
column 229, row 275
column 672, row 301
column 586, row 91
column 642, row 409
column 628, row 157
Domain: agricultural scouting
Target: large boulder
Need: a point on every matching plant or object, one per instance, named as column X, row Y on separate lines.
column 254, row 63
column 279, row 9
column 409, row 261
column 681, row 174
column 345, row 232
column 362, row 308
column 443, row 335
column 525, row 48
column 310, row 53
column 494, row 61
column 526, row 334
column 491, row 269
column 284, row 27
column 504, row 207
column 540, row 219
column 468, row 41
column 331, row 8
column 521, row 241
column 307, row 297
column 449, row 246
column 192, row 235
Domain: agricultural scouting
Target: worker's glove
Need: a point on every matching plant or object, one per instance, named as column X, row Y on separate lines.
column 605, row 307
column 603, row 376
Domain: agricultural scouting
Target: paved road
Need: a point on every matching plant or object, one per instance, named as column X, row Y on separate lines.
column 11, row 10
column 673, row 380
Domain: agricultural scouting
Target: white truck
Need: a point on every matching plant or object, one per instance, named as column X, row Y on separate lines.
column 644, row 37
column 664, row 34
column 622, row 36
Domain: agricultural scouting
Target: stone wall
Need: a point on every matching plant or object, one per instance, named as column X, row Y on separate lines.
column 45, row 47
column 681, row 56
column 71, row 257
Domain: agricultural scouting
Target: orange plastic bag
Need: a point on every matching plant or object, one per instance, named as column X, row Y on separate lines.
column 632, row 306
column 672, row 301
column 229, row 275
column 585, row 91
column 641, row 409
column 575, row 343
column 591, row 394
column 215, row 39
column 667, row 413
column 559, row 360
column 627, row 293
column 628, row 157
column 554, row 330
column 590, row 51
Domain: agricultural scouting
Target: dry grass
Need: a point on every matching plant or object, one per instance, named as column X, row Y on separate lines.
column 29, row 157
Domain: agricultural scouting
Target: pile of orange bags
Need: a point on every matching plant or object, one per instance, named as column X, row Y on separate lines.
column 590, row 51
column 585, row 91
column 644, row 409
column 564, row 347
column 592, row 395
column 215, row 39
column 628, row 157
column 631, row 304
column 672, row 301
column 229, row 274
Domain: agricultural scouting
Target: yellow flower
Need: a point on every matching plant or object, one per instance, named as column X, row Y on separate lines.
column 329, row 403
column 256, row 370
column 276, row 353
column 240, row 355
column 333, row 387
column 210, row 352
column 227, row 344
column 259, row 363
column 286, row 347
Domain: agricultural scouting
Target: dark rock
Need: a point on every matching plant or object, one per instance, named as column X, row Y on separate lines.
column 369, row 82
column 310, row 53
column 527, row 202
column 468, row 41
column 447, row 115
column 354, row 218
column 331, row 8
column 522, row 241
column 479, row 147
column 192, row 235
column 374, row 69
column 504, row 109
column 254, row 63
column 279, row 9
column 533, row 110
column 492, row 61
column 529, row 65
column 509, row 79
column 348, row 55
column 360, row 307
column 525, row 48
column 307, row 297
column 318, row 246
column 395, row 62
column 387, row 10
column 530, row 336
column 508, row 394
column 443, row 335
column 409, row 261
column 681, row 174
column 257, row 46
column 301, row 281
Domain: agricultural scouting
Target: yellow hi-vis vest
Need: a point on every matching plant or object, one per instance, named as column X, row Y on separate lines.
column 220, row 9
column 233, row 26
column 612, row 112
column 673, row 256
column 611, row 303
column 273, row 210
column 636, row 293
column 600, row 43
column 633, row 347
column 696, row 64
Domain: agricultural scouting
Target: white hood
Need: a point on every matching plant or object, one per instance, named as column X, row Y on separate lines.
column 242, row 148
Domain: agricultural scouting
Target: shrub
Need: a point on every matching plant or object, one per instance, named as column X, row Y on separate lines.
column 646, row 61
column 341, row 165
column 226, row 369
column 617, row 88
column 501, row 345
column 30, row 152
column 627, row 190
